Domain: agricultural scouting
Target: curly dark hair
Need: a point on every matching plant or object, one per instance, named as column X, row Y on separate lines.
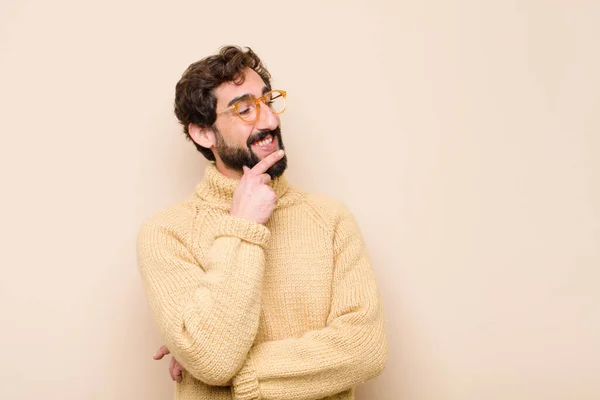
column 195, row 101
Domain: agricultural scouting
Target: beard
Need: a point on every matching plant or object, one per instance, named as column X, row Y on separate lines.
column 236, row 158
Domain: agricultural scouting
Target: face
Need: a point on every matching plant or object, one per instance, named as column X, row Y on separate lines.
column 238, row 143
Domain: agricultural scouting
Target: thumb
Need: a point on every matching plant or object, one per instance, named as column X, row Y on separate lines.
column 160, row 353
column 246, row 169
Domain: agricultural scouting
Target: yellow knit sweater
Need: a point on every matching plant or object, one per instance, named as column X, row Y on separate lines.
column 282, row 311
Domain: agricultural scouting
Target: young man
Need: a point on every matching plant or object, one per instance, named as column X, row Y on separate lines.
column 260, row 291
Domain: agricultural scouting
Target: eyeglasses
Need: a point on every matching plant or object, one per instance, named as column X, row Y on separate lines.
column 248, row 108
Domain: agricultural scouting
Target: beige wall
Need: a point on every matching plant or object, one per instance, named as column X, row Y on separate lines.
column 464, row 136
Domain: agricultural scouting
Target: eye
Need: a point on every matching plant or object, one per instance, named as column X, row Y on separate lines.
column 245, row 107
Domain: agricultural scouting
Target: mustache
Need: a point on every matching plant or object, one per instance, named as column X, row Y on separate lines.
column 276, row 133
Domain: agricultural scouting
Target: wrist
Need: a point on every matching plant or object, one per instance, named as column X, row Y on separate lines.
column 244, row 229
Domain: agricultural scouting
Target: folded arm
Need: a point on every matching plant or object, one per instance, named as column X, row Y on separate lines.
column 351, row 349
column 208, row 314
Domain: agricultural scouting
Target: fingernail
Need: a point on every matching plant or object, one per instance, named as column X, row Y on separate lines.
column 281, row 152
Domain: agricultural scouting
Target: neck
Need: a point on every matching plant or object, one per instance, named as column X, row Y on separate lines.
column 217, row 189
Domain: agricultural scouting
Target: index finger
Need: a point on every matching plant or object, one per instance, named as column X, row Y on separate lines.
column 267, row 162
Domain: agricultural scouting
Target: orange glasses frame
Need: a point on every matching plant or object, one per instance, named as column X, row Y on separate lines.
column 257, row 101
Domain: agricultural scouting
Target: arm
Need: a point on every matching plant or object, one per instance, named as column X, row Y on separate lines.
column 351, row 349
column 208, row 315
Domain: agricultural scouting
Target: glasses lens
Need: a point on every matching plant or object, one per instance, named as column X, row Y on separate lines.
column 247, row 109
column 276, row 101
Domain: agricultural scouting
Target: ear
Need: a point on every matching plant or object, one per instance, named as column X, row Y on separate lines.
column 205, row 137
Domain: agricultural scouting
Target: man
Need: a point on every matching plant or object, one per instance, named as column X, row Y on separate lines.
column 260, row 291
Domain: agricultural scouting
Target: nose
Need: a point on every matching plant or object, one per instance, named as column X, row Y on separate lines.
column 268, row 120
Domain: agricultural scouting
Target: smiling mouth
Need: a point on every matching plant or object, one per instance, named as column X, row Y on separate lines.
column 265, row 142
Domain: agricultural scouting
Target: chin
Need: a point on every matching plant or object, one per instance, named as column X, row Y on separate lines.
column 278, row 169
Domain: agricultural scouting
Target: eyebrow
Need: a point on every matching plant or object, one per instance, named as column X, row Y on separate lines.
column 245, row 95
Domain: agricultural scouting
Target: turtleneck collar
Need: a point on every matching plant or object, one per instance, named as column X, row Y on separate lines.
column 218, row 189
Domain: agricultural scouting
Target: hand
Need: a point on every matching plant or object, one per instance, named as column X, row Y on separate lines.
column 253, row 199
column 175, row 369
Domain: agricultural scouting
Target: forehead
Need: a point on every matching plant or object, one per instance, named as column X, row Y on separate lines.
column 253, row 85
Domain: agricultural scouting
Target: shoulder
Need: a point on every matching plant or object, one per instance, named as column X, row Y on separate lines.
column 337, row 218
column 175, row 220
column 330, row 210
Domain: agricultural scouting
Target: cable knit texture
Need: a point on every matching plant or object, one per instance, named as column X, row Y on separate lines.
column 288, row 310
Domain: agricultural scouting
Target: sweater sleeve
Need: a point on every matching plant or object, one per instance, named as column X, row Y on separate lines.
column 208, row 315
column 349, row 350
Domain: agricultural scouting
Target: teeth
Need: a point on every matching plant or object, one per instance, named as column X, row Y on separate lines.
column 265, row 142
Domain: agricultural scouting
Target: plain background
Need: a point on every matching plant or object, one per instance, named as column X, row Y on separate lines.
column 463, row 135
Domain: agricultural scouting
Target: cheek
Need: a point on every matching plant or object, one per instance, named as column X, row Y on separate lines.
column 244, row 133
column 237, row 133
column 234, row 134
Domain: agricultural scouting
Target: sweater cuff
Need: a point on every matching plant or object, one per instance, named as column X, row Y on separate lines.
column 245, row 383
column 244, row 229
